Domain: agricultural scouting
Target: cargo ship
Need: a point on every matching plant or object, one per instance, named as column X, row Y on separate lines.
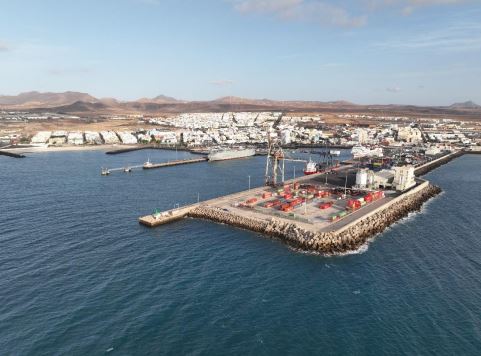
column 222, row 154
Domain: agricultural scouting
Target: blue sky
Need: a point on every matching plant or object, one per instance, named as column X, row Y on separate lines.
column 423, row 52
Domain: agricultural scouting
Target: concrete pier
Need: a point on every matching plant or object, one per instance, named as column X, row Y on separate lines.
column 175, row 163
column 161, row 218
column 11, row 154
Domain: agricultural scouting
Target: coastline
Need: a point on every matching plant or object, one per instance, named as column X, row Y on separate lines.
column 23, row 150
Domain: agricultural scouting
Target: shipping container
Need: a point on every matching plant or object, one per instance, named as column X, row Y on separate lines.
column 325, row 206
column 266, row 195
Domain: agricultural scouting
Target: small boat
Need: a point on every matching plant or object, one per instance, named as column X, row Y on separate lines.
column 311, row 168
column 105, row 172
column 127, row 169
column 334, row 152
column 148, row 163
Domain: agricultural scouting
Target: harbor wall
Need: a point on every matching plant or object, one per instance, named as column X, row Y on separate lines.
column 349, row 238
column 11, row 154
column 428, row 167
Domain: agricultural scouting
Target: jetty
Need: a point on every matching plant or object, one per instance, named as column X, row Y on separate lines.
column 150, row 165
column 11, row 154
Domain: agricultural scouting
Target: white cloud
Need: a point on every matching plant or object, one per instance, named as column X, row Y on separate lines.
column 463, row 37
column 331, row 12
column 408, row 6
column 315, row 11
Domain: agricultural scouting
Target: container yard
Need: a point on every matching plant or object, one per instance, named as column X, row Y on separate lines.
column 307, row 201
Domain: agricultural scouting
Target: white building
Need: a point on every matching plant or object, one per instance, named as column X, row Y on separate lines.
column 75, row 138
column 41, row 137
column 109, row 137
column 383, row 179
column 410, row 134
column 127, row 138
column 404, row 177
column 92, row 138
column 362, row 136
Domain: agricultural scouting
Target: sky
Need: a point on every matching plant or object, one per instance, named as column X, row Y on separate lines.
column 420, row 52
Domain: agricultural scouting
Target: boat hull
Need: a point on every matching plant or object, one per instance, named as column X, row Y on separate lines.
column 230, row 154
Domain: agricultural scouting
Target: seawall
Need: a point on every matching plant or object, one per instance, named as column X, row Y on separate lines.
column 428, row 167
column 349, row 238
column 146, row 147
column 11, row 154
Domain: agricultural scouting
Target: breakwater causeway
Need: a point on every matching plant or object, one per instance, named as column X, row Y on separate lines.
column 11, row 154
column 348, row 238
column 339, row 238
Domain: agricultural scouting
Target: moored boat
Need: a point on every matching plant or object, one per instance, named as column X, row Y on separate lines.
column 311, row 168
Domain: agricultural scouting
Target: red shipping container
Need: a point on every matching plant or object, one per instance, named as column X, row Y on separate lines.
column 325, row 206
column 276, row 203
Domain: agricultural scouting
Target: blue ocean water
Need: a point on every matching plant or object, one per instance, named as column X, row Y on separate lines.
column 79, row 275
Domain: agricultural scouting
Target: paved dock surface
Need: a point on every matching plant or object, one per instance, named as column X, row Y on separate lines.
column 175, row 163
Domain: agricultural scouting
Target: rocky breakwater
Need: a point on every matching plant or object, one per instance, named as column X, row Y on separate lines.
column 349, row 238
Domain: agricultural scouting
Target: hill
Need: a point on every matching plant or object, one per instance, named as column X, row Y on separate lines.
column 36, row 99
column 466, row 105
column 85, row 104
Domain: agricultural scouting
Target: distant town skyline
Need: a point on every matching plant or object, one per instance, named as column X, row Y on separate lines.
column 421, row 52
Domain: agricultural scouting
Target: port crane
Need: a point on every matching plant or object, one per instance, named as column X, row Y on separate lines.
column 275, row 161
column 276, row 157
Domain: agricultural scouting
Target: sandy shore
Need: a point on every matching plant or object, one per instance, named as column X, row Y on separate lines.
column 22, row 150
